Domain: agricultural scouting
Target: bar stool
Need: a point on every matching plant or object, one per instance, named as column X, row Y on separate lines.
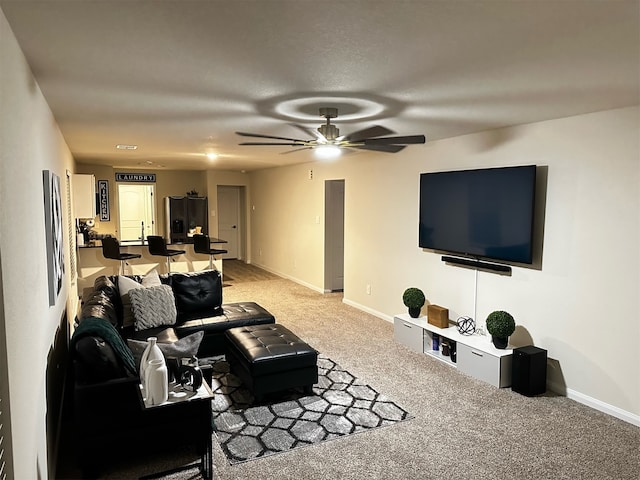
column 111, row 249
column 157, row 246
column 202, row 244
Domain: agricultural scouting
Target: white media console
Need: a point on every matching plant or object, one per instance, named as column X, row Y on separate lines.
column 476, row 355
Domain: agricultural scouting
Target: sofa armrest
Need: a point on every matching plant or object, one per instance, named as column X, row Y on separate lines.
column 116, row 400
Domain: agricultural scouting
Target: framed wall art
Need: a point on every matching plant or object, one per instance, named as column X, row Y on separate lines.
column 54, row 235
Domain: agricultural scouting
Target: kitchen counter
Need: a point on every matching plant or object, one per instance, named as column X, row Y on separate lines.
column 138, row 243
column 92, row 264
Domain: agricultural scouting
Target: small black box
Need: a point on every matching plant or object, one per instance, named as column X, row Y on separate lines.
column 529, row 370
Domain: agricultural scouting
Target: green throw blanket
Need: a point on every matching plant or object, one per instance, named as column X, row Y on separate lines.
column 102, row 328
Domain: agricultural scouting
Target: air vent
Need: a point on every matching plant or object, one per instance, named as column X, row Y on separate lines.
column 123, row 146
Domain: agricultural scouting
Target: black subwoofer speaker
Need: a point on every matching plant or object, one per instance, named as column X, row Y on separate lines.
column 529, row 370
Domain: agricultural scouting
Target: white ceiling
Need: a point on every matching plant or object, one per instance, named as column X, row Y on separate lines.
column 178, row 78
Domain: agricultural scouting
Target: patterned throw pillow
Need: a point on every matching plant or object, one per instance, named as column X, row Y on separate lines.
column 152, row 307
column 125, row 285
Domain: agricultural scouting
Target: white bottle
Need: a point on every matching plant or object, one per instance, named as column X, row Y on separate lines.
column 156, row 382
column 152, row 352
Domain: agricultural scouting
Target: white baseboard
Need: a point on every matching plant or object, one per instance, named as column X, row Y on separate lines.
column 289, row 277
column 595, row 403
column 560, row 390
column 368, row 310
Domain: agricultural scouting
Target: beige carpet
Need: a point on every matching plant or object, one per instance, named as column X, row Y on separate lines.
column 462, row 428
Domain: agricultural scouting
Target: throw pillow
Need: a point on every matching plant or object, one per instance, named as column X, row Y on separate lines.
column 168, row 335
column 125, row 285
column 186, row 347
column 152, row 307
column 198, row 294
column 151, row 279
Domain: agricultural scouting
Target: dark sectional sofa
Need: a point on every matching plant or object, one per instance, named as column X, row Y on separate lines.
column 198, row 302
column 108, row 413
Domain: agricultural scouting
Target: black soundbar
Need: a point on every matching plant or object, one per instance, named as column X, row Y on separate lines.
column 467, row 262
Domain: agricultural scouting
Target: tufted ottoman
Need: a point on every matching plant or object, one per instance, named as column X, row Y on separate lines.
column 270, row 358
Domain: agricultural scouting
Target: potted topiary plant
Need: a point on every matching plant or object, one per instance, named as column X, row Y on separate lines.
column 500, row 325
column 413, row 299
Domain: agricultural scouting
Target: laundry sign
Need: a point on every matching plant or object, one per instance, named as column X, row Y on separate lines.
column 136, row 177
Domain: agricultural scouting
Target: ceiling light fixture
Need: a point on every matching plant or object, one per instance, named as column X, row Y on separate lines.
column 326, row 152
column 372, row 138
column 124, row 146
column 212, row 156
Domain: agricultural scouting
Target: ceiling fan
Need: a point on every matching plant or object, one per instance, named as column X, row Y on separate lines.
column 328, row 135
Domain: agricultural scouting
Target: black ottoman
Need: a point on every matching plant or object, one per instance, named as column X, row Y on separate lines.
column 270, row 358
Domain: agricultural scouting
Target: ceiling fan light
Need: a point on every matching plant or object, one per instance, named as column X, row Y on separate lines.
column 326, row 152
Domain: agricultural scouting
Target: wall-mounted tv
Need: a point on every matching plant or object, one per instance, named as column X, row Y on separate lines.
column 484, row 213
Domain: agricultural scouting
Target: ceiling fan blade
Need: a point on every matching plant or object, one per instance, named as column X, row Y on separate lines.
column 312, row 133
column 295, row 150
column 380, row 148
column 406, row 140
column 297, row 143
column 258, row 135
column 375, row 131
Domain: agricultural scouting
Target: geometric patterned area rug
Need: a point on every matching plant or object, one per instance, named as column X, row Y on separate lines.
column 339, row 405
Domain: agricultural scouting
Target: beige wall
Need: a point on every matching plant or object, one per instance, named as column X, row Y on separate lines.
column 30, row 143
column 582, row 306
column 285, row 236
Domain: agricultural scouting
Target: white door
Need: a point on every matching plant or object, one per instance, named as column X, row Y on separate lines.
column 334, row 235
column 137, row 212
column 229, row 227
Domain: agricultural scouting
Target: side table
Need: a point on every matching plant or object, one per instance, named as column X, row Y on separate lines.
column 192, row 411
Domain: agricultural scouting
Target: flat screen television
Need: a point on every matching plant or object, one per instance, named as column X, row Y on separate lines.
column 484, row 213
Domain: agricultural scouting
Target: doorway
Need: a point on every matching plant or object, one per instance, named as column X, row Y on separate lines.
column 334, row 235
column 230, row 221
column 136, row 211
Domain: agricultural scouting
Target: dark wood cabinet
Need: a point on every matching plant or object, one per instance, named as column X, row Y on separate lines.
column 183, row 216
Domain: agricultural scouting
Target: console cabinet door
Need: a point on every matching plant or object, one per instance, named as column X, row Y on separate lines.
column 408, row 334
column 482, row 365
